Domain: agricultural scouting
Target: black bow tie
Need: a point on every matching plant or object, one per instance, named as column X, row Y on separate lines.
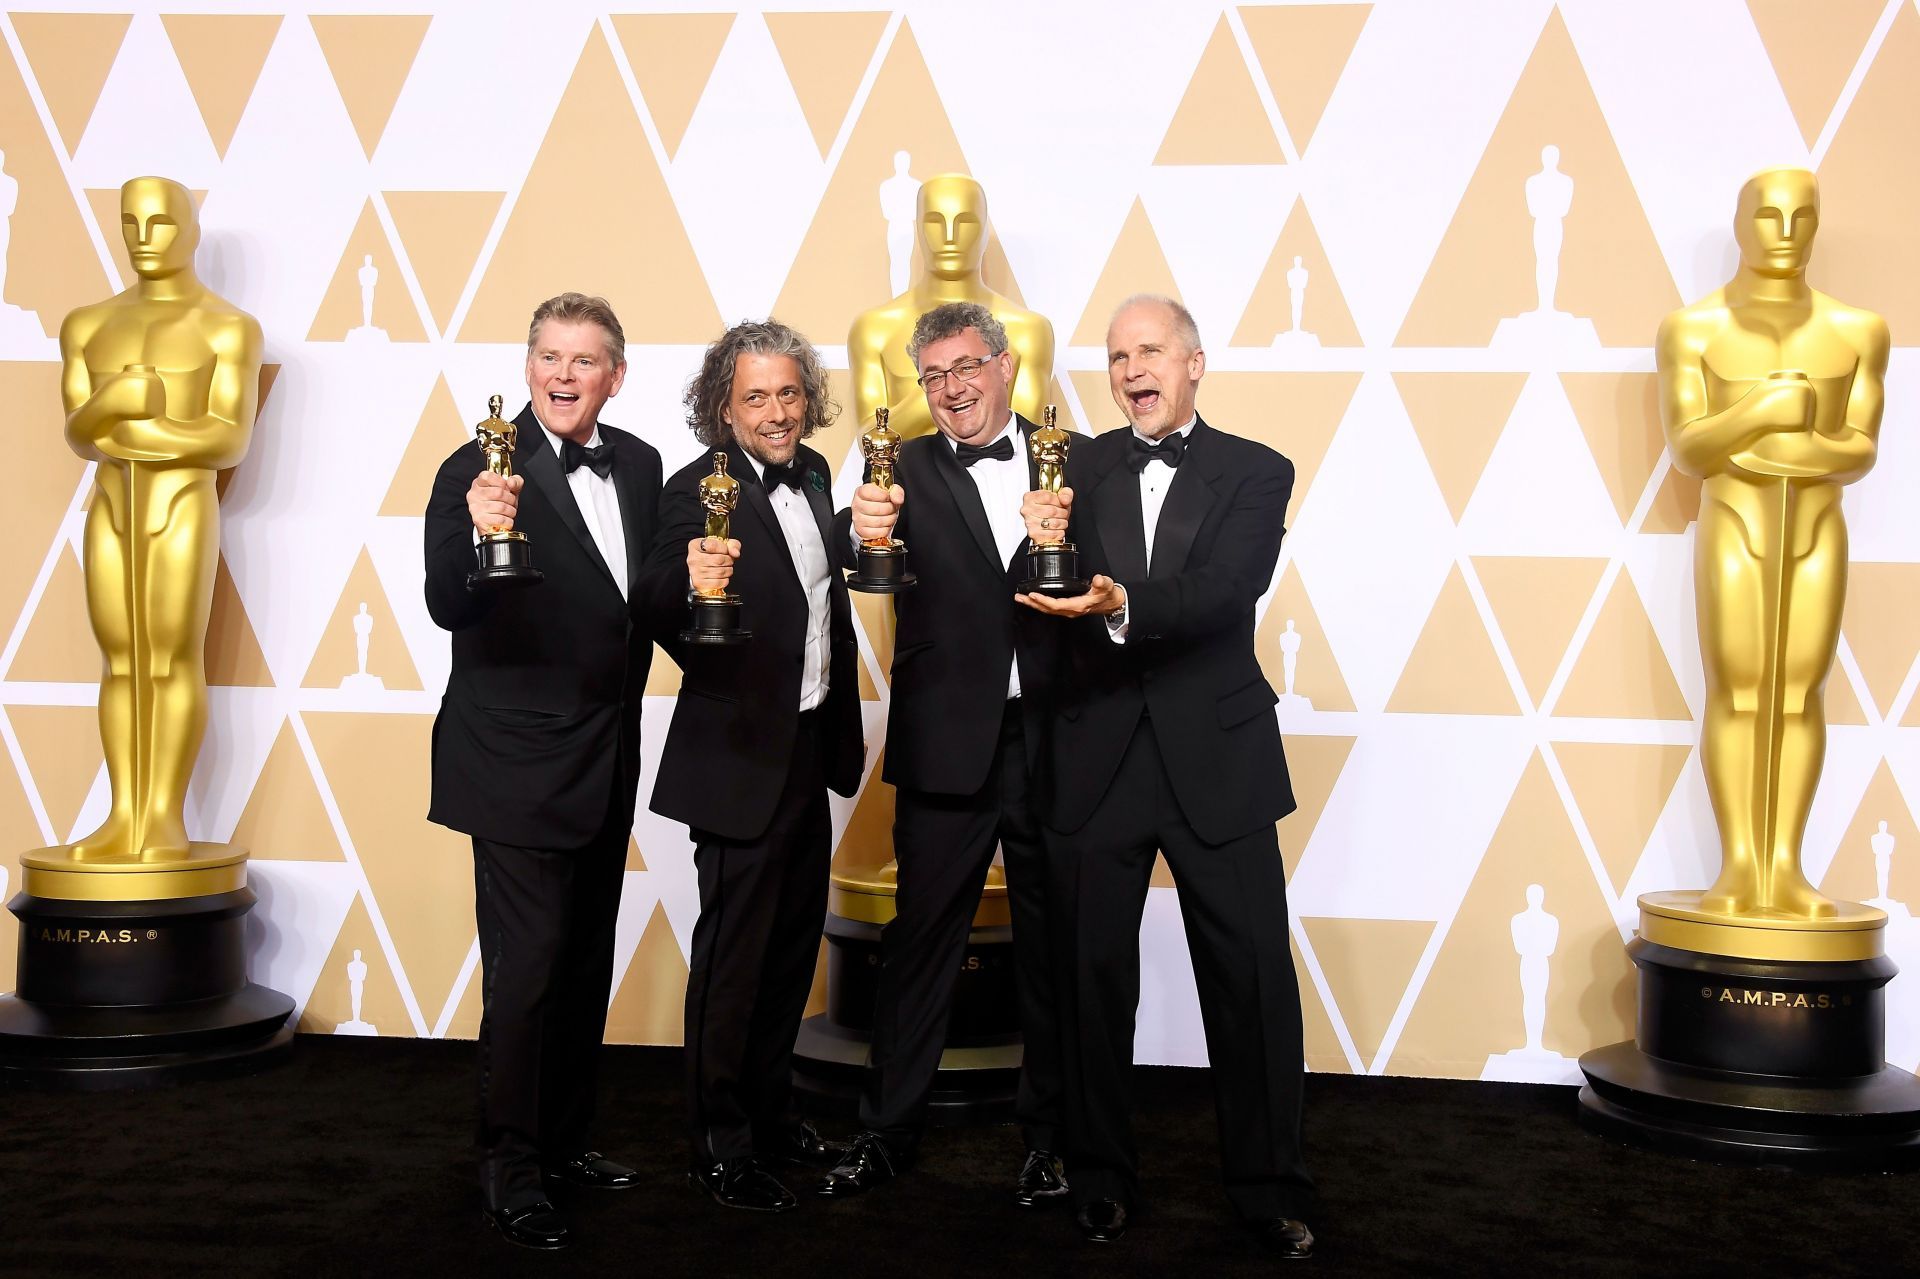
column 1001, row 450
column 789, row 474
column 1169, row 450
column 599, row 457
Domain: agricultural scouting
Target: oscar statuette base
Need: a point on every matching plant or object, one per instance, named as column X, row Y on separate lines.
column 980, row 1065
column 1759, row 1060
column 122, row 987
column 716, row 620
column 1054, row 570
column 504, row 559
column 883, row 570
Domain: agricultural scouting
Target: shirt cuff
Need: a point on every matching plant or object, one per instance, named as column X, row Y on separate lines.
column 1117, row 625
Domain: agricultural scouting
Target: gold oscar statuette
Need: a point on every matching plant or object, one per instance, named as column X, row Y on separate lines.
column 883, row 561
column 505, row 556
column 1053, row 567
column 716, row 614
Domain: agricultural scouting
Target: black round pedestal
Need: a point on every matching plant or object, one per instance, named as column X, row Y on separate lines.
column 1054, row 570
column 883, row 571
column 1757, row 1061
column 116, row 994
column 980, row 1066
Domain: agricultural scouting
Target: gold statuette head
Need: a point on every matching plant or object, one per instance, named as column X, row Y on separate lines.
column 1049, row 445
column 495, row 437
column 881, row 448
column 719, row 494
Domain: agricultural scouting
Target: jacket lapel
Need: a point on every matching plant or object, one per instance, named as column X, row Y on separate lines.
column 754, row 501
column 1116, row 517
column 633, row 513
column 533, row 457
column 966, row 495
column 1189, row 498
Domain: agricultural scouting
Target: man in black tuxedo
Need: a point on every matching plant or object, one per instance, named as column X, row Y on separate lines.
column 1165, row 739
column 536, row 750
column 969, row 670
column 760, row 733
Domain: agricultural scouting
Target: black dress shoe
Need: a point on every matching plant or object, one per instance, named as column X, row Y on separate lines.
column 593, row 1171
column 1102, row 1221
column 741, row 1182
column 1041, row 1180
column 1285, row 1238
column 532, row 1226
column 802, row 1147
column 868, row 1164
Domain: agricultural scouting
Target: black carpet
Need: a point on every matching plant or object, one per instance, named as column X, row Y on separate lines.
column 350, row 1159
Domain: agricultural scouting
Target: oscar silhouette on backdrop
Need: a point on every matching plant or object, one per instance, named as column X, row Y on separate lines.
column 356, row 991
column 366, row 331
column 1296, row 338
column 1549, row 195
column 897, row 198
column 1536, row 935
column 360, row 681
column 16, row 324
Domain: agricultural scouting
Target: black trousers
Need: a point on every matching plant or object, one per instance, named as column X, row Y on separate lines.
column 762, row 905
column 546, row 920
column 1233, row 902
column 944, row 844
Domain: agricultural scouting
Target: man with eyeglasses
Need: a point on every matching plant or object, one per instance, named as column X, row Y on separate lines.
column 969, row 669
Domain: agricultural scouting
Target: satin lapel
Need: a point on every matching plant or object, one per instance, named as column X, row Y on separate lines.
column 754, row 501
column 626, row 484
column 534, row 458
column 819, row 500
column 1189, row 498
column 1116, row 517
column 966, row 495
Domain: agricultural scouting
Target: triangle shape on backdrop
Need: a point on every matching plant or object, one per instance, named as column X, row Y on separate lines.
column 442, row 233
column 1319, row 1040
column 1471, row 1007
column 1853, row 874
column 36, row 511
column 233, row 653
column 867, row 842
column 343, row 310
column 1316, row 674
column 61, row 745
column 436, row 435
column 331, row 1003
column 1622, row 672
column 1303, row 49
column 19, row 833
column 59, row 646
column 835, row 441
column 337, row 660
column 551, row 235
column 1843, row 704
column 1137, row 264
column 1611, row 268
column 1242, row 404
column 465, row 1022
column 672, row 56
column 650, row 1003
column 1538, row 603
column 1453, row 669
column 285, row 818
column 1619, row 413
column 71, row 55
column 1314, row 764
column 663, row 677
column 1368, row 964
column 1621, row 789
column 1458, row 418
column 874, row 616
column 635, row 862
column 222, row 55
column 1676, row 505
column 1881, row 621
column 420, row 873
column 1096, row 397
column 370, row 57
column 842, row 267
column 1220, row 119
column 1323, row 308
column 1814, row 49
column 1867, row 184
column 826, row 56
column 62, row 271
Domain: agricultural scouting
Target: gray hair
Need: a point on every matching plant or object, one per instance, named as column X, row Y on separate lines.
column 712, row 387
column 951, row 319
column 581, row 308
column 1183, row 326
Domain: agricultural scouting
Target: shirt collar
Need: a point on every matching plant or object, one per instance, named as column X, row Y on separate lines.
column 1004, row 428
column 556, row 441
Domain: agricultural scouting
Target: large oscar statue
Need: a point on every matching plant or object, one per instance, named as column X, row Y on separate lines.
column 1762, row 1018
column 952, row 224
column 132, row 962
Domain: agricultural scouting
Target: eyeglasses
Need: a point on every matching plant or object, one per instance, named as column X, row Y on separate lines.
column 962, row 370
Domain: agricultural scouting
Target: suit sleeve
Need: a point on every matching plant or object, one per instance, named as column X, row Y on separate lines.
column 449, row 550
column 665, row 578
column 1213, row 595
column 840, row 541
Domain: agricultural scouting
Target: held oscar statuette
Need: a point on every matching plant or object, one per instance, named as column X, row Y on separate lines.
column 716, row 614
column 1053, row 568
column 505, row 556
column 883, row 561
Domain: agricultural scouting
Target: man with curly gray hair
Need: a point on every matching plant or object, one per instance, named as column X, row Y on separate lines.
column 761, row 731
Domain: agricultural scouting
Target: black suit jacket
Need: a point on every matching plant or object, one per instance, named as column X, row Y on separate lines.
column 539, row 730
column 1188, row 660
column 734, row 724
column 958, row 629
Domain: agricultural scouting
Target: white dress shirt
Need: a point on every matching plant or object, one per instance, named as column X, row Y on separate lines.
column 809, row 552
column 1155, row 480
column 599, row 506
column 1003, row 486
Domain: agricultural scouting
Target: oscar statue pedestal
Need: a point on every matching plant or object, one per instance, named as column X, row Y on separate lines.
column 134, row 973
column 1760, row 1041
column 980, row 1067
